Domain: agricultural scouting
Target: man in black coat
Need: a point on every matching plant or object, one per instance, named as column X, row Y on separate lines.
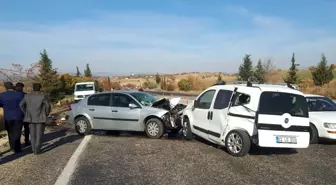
column 19, row 88
column 10, row 102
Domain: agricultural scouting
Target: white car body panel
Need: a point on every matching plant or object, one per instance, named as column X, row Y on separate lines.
column 243, row 118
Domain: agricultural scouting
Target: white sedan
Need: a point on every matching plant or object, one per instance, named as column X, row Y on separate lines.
column 322, row 115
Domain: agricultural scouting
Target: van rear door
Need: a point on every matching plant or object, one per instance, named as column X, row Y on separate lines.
column 282, row 120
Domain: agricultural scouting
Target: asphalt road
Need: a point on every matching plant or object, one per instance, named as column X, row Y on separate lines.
column 139, row 160
column 28, row 169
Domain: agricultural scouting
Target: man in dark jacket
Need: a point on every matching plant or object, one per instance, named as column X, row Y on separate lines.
column 36, row 107
column 19, row 88
column 10, row 101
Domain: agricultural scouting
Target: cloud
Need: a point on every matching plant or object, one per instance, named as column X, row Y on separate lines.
column 155, row 42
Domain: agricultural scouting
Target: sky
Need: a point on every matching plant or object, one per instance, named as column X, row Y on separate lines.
column 166, row 36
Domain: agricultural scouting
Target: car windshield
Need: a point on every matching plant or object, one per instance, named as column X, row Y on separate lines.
column 320, row 104
column 84, row 87
column 278, row 103
column 145, row 99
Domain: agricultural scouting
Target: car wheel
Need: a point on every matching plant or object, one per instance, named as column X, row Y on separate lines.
column 82, row 126
column 237, row 143
column 186, row 130
column 314, row 139
column 154, row 128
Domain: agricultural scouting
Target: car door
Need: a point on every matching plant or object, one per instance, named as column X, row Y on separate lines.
column 201, row 113
column 219, row 118
column 99, row 109
column 126, row 118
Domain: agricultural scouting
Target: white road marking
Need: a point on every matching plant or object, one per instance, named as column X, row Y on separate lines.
column 70, row 167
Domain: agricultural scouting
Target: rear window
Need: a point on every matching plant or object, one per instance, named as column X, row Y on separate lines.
column 278, row 103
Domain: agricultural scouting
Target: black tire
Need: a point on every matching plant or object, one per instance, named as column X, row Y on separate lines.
column 314, row 138
column 243, row 138
column 86, row 127
column 186, row 129
column 156, row 123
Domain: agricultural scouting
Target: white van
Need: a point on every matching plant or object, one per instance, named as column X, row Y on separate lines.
column 238, row 115
column 83, row 89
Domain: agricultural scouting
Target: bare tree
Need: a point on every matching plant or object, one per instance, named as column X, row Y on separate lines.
column 269, row 65
column 17, row 73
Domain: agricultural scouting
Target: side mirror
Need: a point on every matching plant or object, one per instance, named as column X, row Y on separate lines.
column 195, row 103
column 132, row 106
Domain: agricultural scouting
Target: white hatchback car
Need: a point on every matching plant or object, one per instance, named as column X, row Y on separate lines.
column 237, row 115
column 322, row 115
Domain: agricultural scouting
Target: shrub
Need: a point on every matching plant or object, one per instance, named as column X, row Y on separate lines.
column 171, row 87
column 131, row 86
column 115, row 86
column 195, row 83
column 184, row 85
column 149, row 85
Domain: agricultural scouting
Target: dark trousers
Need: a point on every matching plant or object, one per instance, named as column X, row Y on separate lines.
column 13, row 128
column 26, row 131
column 36, row 134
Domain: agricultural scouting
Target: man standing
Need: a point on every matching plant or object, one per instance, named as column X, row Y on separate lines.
column 10, row 101
column 19, row 88
column 36, row 107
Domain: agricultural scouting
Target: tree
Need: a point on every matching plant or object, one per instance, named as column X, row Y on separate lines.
column 245, row 69
column 259, row 72
column 48, row 77
column 292, row 76
column 87, row 71
column 157, row 78
column 322, row 74
column 108, row 83
column 78, row 74
column 219, row 79
column 268, row 65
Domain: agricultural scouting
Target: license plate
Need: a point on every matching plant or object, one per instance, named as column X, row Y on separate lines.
column 286, row 139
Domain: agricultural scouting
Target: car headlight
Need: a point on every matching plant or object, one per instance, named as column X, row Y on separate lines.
column 330, row 125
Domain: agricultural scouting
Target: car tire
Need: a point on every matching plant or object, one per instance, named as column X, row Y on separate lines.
column 237, row 138
column 314, row 138
column 82, row 126
column 154, row 128
column 186, row 129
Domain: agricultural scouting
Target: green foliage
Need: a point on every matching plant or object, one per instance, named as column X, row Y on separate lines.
column 149, row 84
column 322, row 74
column 157, row 78
column 259, row 72
column 292, row 76
column 219, row 79
column 48, row 77
column 245, row 69
column 184, row 85
column 87, row 71
column 78, row 74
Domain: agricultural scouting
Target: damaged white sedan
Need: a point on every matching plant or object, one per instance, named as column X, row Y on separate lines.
column 127, row 111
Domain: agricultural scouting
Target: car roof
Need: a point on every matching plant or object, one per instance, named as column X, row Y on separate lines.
column 79, row 83
column 123, row 91
column 261, row 87
column 313, row 95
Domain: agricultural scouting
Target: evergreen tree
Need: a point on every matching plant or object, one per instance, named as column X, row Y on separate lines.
column 78, row 74
column 219, row 79
column 48, row 77
column 157, row 78
column 245, row 69
column 292, row 76
column 87, row 71
column 259, row 72
column 322, row 74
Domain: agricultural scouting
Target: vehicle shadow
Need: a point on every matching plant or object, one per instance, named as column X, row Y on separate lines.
column 61, row 135
column 171, row 136
column 326, row 142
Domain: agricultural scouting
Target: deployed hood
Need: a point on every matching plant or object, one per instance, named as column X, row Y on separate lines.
column 166, row 103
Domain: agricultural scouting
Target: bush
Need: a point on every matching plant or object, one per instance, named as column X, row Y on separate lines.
column 171, row 87
column 131, row 86
column 184, row 85
column 195, row 83
column 149, row 85
column 115, row 86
